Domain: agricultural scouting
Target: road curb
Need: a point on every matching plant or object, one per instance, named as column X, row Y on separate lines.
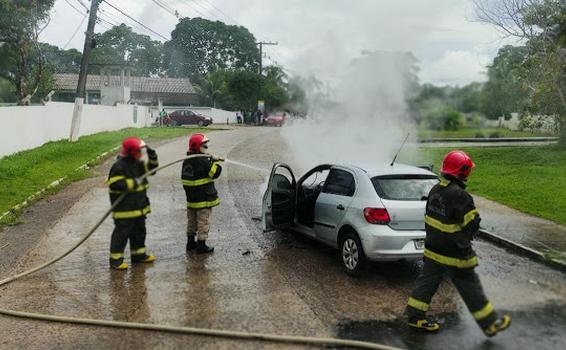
column 31, row 199
column 522, row 250
column 489, row 140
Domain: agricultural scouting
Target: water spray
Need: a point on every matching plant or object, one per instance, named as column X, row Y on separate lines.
column 284, row 339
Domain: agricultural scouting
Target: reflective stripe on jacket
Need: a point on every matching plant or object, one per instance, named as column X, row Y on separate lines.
column 198, row 175
column 122, row 179
column 451, row 222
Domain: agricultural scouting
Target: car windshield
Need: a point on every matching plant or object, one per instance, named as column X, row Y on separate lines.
column 404, row 187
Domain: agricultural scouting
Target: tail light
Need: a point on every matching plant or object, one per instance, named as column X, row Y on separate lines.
column 377, row 216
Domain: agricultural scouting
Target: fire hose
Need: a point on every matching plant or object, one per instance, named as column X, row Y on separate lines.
column 166, row 328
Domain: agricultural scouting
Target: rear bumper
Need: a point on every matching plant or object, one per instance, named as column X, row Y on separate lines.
column 381, row 243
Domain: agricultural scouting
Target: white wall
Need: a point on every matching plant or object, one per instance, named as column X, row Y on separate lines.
column 26, row 127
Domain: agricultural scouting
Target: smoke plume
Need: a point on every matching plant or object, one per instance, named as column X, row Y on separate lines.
column 363, row 120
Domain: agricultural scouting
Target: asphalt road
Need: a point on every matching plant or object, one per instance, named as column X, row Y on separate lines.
column 274, row 282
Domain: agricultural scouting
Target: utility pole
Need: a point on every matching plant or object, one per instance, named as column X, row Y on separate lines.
column 259, row 100
column 81, row 86
column 261, row 43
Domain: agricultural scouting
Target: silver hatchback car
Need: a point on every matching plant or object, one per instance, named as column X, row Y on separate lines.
column 368, row 212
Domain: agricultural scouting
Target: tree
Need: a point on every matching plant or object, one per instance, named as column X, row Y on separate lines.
column 121, row 45
column 274, row 90
column 244, row 88
column 22, row 62
column 6, row 92
column 442, row 117
column 297, row 97
column 468, row 98
column 541, row 25
column 213, row 88
column 199, row 46
column 505, row 91
column 61, row 61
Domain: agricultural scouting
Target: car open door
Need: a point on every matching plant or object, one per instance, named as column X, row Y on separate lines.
column 278, row 207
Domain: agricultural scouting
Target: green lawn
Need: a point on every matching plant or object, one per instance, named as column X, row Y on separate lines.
column 530, row 179
column 474, row 132
column 27, row 172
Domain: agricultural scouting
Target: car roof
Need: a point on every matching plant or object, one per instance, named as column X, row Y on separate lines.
column 379, row 169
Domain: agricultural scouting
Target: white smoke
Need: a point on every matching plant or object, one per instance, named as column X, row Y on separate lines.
column 368, row 119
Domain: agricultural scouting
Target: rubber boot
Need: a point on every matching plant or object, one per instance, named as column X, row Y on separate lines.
column 202, row 248
column 118, row 264
column 499, row 325
column 424, row 324
column 142, row 258
column 191, row 242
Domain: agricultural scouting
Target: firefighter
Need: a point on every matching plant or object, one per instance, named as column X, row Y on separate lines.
column 198, row 175
column 451, row 223
column 129, row 216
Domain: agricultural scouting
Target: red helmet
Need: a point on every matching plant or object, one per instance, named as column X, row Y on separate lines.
column 196, row 141
column 131, row 147
column 457, row 164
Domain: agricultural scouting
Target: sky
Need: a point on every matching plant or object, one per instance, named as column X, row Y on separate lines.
column 315, row 37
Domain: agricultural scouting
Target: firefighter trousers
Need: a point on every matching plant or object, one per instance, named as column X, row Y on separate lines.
column 198, row 223
column 466, row 282
column 132, row 229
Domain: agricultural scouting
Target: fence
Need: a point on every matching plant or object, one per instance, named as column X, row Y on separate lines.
column 26, row 127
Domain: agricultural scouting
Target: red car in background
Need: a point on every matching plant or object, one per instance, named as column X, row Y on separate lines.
column 276, row 119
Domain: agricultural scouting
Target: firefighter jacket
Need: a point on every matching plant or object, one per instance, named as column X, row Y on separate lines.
column 451, row 223
column 122, row 179
column 198, row 175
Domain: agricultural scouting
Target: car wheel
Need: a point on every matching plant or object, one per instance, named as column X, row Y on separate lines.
column 173, row 123
column 200, row 123
column 352, row 254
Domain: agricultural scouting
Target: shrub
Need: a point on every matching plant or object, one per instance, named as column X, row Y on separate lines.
column 443, row 118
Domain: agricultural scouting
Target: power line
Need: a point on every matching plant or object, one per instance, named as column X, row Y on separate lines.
column 167, row 8
column 111, row 16
column 222, row 12
column 73, row 6
column 135, row 20
column 83, row 5
column 194, row 9
column 75, row 32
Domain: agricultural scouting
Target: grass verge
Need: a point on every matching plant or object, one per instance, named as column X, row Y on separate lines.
column 475, row 133
column 529, row 179
column 25, row 173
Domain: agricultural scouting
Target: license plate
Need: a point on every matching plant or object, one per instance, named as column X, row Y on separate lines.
column 419, row 243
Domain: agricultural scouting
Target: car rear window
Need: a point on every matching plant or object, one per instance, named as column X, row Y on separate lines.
column 404, row 187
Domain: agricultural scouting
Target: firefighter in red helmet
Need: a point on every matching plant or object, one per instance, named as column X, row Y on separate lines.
column 451, row 222
column 198, row 175
column 129, row 215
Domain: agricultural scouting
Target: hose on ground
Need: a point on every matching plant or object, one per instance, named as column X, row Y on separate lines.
column 167, row 328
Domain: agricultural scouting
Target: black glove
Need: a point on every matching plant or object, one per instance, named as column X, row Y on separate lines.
column 151, row 152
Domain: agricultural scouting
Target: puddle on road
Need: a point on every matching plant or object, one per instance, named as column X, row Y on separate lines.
column 538, row 327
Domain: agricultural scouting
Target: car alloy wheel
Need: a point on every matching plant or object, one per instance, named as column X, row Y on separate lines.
column 200, row 123
column 350, row 254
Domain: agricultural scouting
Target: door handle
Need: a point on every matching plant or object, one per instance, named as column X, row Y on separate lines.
column 340, row 207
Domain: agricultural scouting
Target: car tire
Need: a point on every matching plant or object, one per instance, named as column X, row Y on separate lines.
column 200, row 123
column 352, row 254
column 173, row 123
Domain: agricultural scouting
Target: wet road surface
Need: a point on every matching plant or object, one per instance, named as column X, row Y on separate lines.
column 537, row 233
column 274, row 282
